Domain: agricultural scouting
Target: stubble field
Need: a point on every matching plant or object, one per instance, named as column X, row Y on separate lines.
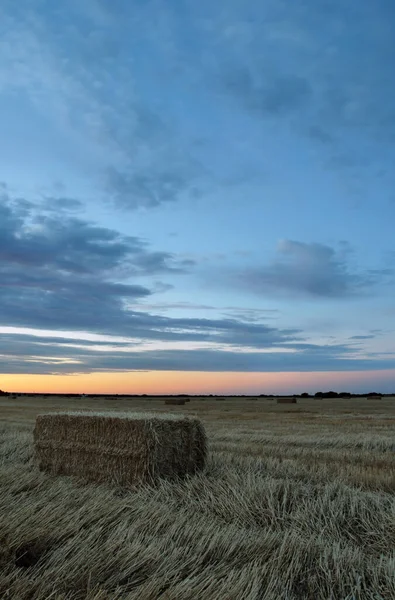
column 296, row 502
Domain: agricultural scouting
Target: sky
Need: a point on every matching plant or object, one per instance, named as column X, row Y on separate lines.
column 197, row 196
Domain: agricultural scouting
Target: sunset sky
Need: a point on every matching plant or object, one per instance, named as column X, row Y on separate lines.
column 197, row 196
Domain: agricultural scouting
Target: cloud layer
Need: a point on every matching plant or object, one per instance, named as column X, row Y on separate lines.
column 38, row 355
column 311, row 270
column 233, row 111
column 68, row 274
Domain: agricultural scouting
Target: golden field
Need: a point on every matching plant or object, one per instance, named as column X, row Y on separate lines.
column 296, row 502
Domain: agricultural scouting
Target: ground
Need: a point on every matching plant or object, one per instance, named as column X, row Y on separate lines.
column 296, row 502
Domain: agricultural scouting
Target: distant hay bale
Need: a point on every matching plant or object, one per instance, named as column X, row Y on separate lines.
column 375, row 397
column 123, row 448
column 187, row 399
column 175, row 401
column 286, row 401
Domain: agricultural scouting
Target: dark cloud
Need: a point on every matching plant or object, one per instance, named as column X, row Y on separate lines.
column 69, row 274
column 362, row 337
column 63, row 272
column 232, row 312
column 36, row 357
column 341, row 59
column 53, row 204
column 157, row 329
column 327, row 72
column 131, row 190
column 65, row 275
column 17, row 341
column 314, row 270
column 142, row 160
column 52, row 300
column 216, row 360
column 74, row 246
column 268, row 94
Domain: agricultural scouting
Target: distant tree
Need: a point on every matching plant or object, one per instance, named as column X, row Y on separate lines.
column 319, row 395
column 3, row 393
column 331, row 394
column 305, row 395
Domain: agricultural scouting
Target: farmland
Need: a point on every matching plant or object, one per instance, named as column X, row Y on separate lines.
column 296, row 502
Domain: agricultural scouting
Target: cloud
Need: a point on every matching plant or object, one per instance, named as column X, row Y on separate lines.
column 149, row 187
column 61, row 204
column 315, row 42
column 232, row 312
column 268, row 95
column 74, row 246
column 68, row 274
column 79, row 73
column 62, row 272
column 34, row 356
column 277, row 61
column 327, row 73
column 309, row 269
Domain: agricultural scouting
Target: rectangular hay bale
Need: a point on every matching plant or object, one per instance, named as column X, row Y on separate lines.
column 286, row 401
column 124, row 448
column 175, row 401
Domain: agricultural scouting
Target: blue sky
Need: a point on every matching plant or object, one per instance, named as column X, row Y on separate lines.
column 199, row 186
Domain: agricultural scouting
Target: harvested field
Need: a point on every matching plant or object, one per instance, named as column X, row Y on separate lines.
column 294, row 505
column 128, row 448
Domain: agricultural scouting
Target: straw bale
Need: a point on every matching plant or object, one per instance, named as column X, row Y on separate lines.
column 286, row 401
column 175, row 401
column 124, row 448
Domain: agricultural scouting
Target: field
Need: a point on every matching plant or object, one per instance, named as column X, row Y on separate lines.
column 297, row 502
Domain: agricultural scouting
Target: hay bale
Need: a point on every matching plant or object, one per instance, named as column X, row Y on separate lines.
column 286, row 401
column 124, row 448
column 175, row 401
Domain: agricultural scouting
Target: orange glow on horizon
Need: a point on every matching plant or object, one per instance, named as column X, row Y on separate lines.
column 193, row 382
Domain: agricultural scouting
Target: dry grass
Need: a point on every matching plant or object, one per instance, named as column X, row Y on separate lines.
column 296, row 502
